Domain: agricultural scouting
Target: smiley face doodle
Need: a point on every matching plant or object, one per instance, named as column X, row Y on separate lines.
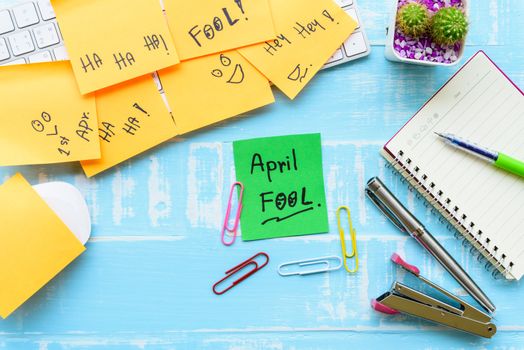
column 238, row 72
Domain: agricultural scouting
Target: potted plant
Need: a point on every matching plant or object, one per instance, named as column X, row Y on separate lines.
column 427, row 32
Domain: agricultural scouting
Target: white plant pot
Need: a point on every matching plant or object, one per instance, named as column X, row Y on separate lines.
column 393, row 55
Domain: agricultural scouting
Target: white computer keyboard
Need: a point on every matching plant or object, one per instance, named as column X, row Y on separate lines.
column 357, row 45
column 29, row 33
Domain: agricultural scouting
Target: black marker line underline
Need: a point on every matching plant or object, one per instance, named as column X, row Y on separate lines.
column 286, row 217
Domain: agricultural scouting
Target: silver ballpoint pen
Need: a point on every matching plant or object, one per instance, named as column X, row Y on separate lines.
column 406, row 222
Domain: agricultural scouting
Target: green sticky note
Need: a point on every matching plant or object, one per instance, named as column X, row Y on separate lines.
column 283, row 186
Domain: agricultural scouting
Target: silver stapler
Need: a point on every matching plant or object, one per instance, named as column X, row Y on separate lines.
column 404, row 299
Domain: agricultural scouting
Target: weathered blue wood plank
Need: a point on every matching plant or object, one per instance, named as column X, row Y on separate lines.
column 162, row 284
column 277, row 339
column 490, row 21
column 145, row 280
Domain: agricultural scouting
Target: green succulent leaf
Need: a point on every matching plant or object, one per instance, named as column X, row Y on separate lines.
column 449, row 26
column 413, row 19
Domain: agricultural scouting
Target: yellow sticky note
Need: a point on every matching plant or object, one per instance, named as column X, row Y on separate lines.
column 35, row 244
column 308, row 33
column 202, row 27
column 111, row 41
column 206, row 90
column 132, row 117
column 44, row 118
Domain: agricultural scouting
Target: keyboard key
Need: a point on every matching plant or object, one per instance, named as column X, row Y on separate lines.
column 353, row 13
column 355, row 44
column 21, row 43
column 6, row 23
column 343, row 3
column 338, row 55
column 60, row 53
column 18, row 61
column 4, row 52
column 46, row 10
column 44, row 56
column 46, row 35
column 25, row 15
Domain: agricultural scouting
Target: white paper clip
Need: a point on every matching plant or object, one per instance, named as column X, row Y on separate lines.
column 296, row 267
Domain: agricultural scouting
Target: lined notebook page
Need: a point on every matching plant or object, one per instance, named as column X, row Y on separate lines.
column 482, row 105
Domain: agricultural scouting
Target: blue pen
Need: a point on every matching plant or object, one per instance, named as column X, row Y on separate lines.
column 500, row 160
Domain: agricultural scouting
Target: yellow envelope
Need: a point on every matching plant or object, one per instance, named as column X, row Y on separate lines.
column 111, row 41
column 202, row 27
column 132, row 117
column 44, row 118
column 32, row 251
column 206, row 90
column 308, row 33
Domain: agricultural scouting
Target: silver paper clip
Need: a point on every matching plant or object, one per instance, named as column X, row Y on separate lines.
column 462, row 316
column 296, row 267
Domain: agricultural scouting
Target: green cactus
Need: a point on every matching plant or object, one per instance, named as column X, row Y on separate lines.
column 413, row 19
column 449, row 26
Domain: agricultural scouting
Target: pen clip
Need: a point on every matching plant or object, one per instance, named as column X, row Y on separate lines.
column 385, row 210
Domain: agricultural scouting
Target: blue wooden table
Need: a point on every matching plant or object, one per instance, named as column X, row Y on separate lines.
column 145, row 280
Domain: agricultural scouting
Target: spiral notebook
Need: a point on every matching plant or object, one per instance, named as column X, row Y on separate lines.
column 485, row 204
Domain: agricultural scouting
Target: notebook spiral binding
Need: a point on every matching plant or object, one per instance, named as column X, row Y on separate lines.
column 457, row 222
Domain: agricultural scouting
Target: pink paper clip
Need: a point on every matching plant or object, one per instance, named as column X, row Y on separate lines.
column 254, row 267
column 225, row 227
